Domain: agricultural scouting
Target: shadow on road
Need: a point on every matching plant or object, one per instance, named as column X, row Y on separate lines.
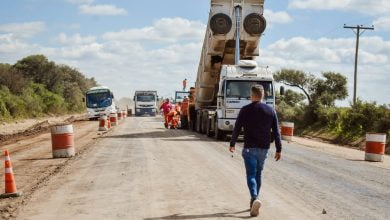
column 357, row 160
column 215, row 215
column 188, row 139
column 33, row 159
column 152, row 134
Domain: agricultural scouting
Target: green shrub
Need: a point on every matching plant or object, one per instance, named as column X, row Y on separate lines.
column 35, row 86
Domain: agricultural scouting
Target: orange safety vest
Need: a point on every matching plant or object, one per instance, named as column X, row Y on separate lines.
column 177, row 109
column 184, row 108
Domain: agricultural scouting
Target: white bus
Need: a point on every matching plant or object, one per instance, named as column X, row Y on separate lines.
column 99, row 102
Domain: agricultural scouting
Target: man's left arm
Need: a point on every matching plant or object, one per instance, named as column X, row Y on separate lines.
column 276, row 133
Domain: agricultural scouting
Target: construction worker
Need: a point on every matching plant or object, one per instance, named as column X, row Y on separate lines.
column 166, row 108
column 184, row 84
column 177, row 114
column 173, row 117
column 184, row 113
column 257, row 119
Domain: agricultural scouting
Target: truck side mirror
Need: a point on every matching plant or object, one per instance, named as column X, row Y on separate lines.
column 282, row 90
column 83, row 99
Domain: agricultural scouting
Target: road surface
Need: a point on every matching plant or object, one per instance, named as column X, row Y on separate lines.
column 143, row 171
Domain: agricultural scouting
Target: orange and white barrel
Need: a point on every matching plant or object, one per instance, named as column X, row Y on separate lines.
column 108, row 122
column 375, row 147
column 62, row 140
column 119, row 115
column 114, row 119
column 103, row 125
column 287, row 130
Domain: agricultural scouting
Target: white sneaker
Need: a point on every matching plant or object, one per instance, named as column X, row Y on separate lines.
column 255, row 208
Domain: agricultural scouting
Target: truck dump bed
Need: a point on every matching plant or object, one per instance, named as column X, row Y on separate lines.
column 219, row 43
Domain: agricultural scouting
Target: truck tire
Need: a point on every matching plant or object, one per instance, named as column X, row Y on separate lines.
column 219, row 134
column 198, row 121
column 191, row 125
column 209, row 133
column 192, row 122
column 205, row 118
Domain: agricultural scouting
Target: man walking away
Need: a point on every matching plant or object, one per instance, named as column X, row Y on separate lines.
column 257, row 119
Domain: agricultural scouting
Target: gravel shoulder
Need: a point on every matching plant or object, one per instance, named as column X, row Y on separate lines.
column 33, row 165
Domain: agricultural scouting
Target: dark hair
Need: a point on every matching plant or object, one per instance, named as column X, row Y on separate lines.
column 258, row 91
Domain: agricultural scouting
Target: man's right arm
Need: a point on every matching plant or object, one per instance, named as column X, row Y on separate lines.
column 237, row 129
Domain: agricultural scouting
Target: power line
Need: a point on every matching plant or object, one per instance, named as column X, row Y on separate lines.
column 358, row 28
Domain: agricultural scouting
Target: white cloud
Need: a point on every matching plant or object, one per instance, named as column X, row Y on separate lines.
column 163, row 30
column 126, row 61
column 75, row 39
column 324, row 54
column 10, row 44
column 382, row 24
column 81, row 1
column 13, row 48
column 363, row 6
column 280, row 17
column 161, row 55
column 23, row 30
column 104, row 9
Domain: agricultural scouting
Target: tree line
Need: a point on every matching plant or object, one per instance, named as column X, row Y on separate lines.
column 35, row 86
column 313, row 107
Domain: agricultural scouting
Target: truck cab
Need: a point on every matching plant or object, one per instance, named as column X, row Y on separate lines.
column 234, row 93
column 145, row 103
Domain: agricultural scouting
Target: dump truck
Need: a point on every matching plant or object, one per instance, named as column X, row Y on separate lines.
column 227, row 69
column 145, row 103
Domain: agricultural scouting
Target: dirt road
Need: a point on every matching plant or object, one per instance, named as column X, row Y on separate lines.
column 142, row 171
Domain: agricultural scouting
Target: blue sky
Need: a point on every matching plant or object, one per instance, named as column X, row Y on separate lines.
column 152, row 44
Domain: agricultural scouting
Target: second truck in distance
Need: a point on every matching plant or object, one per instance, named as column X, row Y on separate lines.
column 145, row 103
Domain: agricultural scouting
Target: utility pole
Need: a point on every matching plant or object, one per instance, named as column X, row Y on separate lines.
column 358, row 33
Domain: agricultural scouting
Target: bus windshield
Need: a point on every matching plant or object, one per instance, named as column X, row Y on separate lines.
column 99, row 99
column 242, row 89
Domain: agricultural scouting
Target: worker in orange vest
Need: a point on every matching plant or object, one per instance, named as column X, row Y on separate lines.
column 166, row 107
column 184, row 113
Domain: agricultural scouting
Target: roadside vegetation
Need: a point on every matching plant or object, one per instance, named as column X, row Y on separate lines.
column 35, row 86
column 314, row 112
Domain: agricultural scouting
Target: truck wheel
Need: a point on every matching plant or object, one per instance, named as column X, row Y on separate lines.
column 209, row 133
column 191, row 126
column 218, row 134
column 199, row 121
column 205, row 122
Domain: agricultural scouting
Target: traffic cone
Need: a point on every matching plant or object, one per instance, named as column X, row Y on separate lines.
column 108, row 122
column 10, row 186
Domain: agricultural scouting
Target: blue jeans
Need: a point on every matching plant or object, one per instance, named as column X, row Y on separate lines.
column 254, row 159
